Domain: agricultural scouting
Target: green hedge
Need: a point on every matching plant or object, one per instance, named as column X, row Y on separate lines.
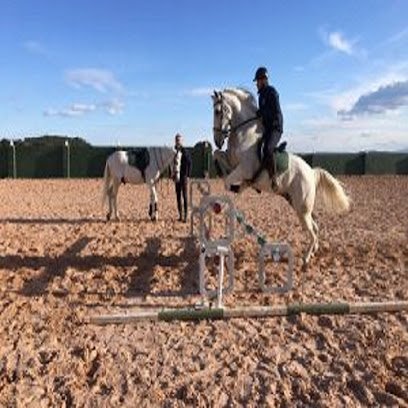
column 46, row 162
column 89, row 161
column 47, row 158
column 340, row 163
column 202, row 161
column 386, row 163
column 4, row 172
column 307, row 157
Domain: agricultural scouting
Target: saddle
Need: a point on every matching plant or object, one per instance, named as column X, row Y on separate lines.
column 139, row 158
column 281, row 157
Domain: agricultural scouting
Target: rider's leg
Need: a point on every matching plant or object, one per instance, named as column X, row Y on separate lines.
column 270, row 163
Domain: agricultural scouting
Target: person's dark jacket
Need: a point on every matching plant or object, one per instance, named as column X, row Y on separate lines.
column 185, row 166
column 269, row 109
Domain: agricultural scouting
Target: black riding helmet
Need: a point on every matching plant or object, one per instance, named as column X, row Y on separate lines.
column 260, row 73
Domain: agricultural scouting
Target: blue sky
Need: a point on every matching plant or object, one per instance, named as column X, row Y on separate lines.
column 138, row 72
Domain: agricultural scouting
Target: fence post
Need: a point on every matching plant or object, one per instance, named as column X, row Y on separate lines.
column 13, row 170
column 66, row 160
column 206, row 163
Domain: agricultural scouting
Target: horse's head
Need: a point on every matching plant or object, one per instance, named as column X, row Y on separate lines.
column 222, row 118
column 233, row 108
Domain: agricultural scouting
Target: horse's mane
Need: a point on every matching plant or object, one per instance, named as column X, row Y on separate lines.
column 243, row 95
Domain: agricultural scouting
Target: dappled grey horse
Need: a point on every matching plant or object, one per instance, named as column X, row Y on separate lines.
column 119, row 168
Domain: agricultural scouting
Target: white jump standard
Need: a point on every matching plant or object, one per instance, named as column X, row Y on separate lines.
column 204, row 188
column 223, row 252
column 221, row 248
column 277, row 251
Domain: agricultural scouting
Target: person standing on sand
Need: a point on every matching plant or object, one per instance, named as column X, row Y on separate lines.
column 182, row 170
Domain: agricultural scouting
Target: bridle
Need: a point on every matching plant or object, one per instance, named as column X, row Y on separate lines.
column 231, row 129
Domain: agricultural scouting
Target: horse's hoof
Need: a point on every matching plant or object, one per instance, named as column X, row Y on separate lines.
column 108, row 217
column 235, row 188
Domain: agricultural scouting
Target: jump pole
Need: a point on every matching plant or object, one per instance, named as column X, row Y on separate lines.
column 337, row 308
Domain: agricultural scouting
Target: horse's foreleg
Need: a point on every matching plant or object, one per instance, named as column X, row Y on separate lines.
column 153, row 208
column 235, row 181
column 222, row 163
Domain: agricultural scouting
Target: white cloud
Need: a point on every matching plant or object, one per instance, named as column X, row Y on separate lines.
column 201, row 91
column 389, row 97
column 101, row 80
column 328, row 133
column 382, row 90
column 74, row 110
column 295, row 107
column 344, row 100
column 113, row 107
column 398, row 37
column 34, row 47
column 337, row 41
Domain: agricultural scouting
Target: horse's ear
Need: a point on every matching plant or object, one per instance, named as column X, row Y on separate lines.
column 215, row 94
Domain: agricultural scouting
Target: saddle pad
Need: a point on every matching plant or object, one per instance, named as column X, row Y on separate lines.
column 139, row 158
column 280, row 154
column 282, row 161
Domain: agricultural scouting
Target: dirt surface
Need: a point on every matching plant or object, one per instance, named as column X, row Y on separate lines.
column 60, row 263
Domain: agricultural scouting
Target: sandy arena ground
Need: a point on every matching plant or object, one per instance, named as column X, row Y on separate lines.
column 60, row 263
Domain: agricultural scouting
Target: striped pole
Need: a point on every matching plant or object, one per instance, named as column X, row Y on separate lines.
column 337, row 308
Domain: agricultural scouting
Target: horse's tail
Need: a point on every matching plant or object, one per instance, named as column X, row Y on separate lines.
column 106, row 183
column 333, row 194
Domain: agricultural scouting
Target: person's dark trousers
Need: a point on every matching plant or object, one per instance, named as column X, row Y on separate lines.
column 271, row 140
column 181, row 191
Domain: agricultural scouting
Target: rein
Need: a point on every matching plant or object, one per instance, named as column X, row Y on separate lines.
column 234, row 128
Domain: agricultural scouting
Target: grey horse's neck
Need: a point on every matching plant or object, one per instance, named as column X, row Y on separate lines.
column 244, row 107
column 243, row 102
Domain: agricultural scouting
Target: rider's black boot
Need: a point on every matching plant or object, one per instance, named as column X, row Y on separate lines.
column 270, row 166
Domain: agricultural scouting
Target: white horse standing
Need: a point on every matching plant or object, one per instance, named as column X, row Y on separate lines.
column 235, row 119
column 117, row 168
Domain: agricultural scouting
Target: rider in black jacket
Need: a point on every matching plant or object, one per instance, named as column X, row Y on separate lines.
column 270, row 113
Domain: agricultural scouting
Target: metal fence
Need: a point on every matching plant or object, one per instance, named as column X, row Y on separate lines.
column 79, row 160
